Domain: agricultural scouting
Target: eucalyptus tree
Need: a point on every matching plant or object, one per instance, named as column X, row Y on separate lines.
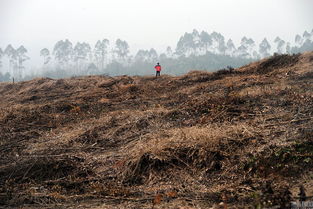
column 21, row 58
column 264, row 48
column 11, row 54
column 247, row 48
column 63, row 51
column 101, row 53
column 185, row 45
column 230, row 48
column 280, row 45
column 169, row 52
column 45, row 53
column 218, row 43
column 121, row 51
column 206, row 41
column 81, row 53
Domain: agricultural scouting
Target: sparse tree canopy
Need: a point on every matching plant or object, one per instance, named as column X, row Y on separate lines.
column 10, row 51
column 101, row 51
column 169, row 52
column 230, row 48
column 121, row 49
column 280, row 45
column 21, row 57
column 45, row 53
column 264, row 48
column 81, row 51
column 21, row 53
column 63, row 51
column 246, row 49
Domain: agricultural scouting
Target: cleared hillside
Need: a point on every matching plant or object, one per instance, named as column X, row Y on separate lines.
column 243, row 137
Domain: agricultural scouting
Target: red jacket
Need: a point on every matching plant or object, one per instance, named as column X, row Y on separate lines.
column 158, row 67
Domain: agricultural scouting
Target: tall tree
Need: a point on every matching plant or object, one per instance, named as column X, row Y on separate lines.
column 288, row 48
column 264, row 48
column 169, row 52
column 153, row 55
column 10, row 52
column 185, row 45
column 298, row 40
column 206, row 41
column 280, row 45
column 101, row 52
column 22, row 57
column 247, row 48
column 121, row 50
column 63, row 51
column 80, row 54
column 218, row 43
column 306, row 35
column 45, row 53
column 230, row 48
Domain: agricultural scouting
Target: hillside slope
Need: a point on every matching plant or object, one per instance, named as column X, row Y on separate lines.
column 242, row 137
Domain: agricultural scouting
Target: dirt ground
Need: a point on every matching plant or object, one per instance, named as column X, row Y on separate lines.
column 239, row 138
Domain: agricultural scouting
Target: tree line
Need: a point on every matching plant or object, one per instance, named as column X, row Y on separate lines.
column 195, row 50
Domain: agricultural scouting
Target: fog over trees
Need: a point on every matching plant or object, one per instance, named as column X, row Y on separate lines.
column 194, row 50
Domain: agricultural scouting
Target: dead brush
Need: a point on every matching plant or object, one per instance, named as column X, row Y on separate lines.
column 113, row 189
column 266, row 89
column 130, row 88
column 193, row 148
column 275, row 62
column 39, row 169
column 136, row 137
column 75, row 109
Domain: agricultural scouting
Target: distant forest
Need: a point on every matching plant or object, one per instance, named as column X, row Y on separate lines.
column 194, row 51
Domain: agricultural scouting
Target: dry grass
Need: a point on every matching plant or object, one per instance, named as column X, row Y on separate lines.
column 174, row 142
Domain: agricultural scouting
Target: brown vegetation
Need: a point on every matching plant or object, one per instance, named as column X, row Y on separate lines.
column 242, row 137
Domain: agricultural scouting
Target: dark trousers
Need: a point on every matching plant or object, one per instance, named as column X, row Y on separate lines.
column 158, row 73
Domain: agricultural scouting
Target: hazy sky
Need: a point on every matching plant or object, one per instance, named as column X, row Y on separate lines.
column 147, row 23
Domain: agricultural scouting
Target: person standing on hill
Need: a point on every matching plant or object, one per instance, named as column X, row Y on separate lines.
column 158, row 70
